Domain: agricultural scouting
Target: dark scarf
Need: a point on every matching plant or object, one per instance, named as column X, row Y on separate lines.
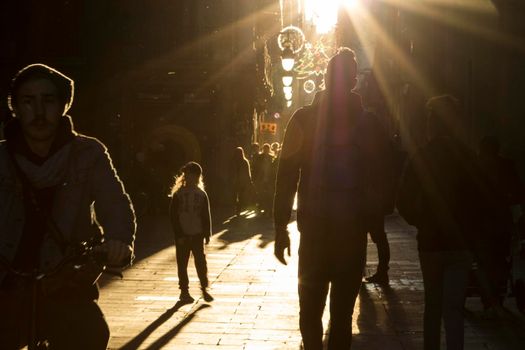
column 16, row 142
column 27, row 256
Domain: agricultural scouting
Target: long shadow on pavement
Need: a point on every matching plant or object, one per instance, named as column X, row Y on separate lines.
column 137, row 341
column 159, row 343
column 241, row 228
column 404, row 315
column 367, row 320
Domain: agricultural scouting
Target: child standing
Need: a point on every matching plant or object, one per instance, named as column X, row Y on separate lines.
column 191, row 222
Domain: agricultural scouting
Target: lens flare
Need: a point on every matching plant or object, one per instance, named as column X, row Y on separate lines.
column 323, row 13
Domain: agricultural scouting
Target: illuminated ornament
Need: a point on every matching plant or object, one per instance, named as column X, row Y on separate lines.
column 287, row 80
column 288, row 97
column 287, row 90
column 277, row 115
column 288, row 104
column 291, row 37
column 287, row 59
column 309, row 86
column 313, row 59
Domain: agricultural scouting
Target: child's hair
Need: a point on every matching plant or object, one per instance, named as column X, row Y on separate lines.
column 180, row 180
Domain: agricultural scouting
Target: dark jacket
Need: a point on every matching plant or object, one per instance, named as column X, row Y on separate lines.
column 334, row 164
column 440, row 195
column 90, row 201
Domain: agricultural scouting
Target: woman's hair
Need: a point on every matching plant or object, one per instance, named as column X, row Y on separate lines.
column 180, row 180
column 65, row 86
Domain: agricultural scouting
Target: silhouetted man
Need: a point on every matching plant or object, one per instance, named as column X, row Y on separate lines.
column 440, row 195
column 384, row 176
column 57, row 189
column 328, row 157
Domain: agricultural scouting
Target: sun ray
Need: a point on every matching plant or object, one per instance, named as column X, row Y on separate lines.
column 442, row 11
column 172, row 58
column 362, row 19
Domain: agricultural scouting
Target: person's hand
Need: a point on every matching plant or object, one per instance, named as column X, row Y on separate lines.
column 117, row 252
column 282, row 243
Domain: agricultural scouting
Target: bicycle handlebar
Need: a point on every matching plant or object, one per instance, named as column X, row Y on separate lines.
column 79, row 256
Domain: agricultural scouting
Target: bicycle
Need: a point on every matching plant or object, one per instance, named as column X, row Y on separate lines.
column 82, row 260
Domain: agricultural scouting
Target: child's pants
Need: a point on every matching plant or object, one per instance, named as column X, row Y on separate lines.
column 194, row 245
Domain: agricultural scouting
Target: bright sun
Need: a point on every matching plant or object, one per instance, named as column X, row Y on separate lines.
column 323, row 13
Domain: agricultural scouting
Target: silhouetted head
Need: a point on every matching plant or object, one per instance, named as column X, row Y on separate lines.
column 191, row 168
column 190, row 175
column 238, row 153
column 65, row 86
column 266, row 148
column 39, row 96
column 341, row 71
column 489, row 146
column 445, row 116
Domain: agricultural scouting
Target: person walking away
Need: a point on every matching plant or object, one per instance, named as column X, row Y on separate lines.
column 275, row 149
column 502, row 188
column 254, row 153
column 264, row 179
column 244, row 192
column 58, row 189
column 326, row 157
column 377, row 191
column 191, row 222
column 439, row 194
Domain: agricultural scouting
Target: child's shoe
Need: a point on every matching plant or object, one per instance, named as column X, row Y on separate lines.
column 206, row 296
column 185, row 297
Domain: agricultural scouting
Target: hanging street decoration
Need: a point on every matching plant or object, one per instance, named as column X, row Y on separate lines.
column 313, row 59
column 292, row 37
column 309, row 86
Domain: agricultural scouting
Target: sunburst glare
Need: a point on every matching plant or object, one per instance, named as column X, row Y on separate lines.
column 323, row 13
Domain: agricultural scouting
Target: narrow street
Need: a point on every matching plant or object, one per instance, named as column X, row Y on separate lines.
column 256, row 305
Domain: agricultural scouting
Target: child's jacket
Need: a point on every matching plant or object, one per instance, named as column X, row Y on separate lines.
column 190, row 213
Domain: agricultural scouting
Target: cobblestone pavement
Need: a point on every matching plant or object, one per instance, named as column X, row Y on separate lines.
column 256, row 305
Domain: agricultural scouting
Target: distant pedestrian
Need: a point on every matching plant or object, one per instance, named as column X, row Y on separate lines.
column 191, row 222
column 254, row 153
column 264, row 179
column 276, row 149
column 328, row 158
column 439, row 194
column 244, row 192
